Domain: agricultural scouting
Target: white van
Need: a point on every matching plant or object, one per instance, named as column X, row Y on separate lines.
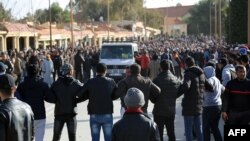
column 117, row 56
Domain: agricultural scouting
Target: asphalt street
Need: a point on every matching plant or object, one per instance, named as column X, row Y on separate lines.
column 83, row 129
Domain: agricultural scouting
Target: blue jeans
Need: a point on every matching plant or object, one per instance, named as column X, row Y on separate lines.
column 104, row 121
column 210, row 122
column 190, row 122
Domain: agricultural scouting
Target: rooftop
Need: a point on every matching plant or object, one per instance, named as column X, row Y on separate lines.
column 175, row 11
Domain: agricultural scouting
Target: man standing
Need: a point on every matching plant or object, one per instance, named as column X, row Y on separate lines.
column 7, row 62
column 16, row 117
column 164, row 108
column 192, row 88
column 135, row 125
column 3, row 68
column 79, row 60
column 144, row 62
column 65, row 90
column 212, row 106
column 101, row 92
column 149, row 89
column 57, row 62
column 34, row 91
column 236, row 100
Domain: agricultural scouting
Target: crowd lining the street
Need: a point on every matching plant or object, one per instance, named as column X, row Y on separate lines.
column 211, row 75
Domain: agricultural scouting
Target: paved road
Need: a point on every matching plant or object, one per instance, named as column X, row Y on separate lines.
column 83, row 130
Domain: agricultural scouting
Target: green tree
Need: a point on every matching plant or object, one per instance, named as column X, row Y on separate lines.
column 237, row 21
column 58, row 15
column 4, row 13
column 199, row 21
column 28, row 17
column 119, row 10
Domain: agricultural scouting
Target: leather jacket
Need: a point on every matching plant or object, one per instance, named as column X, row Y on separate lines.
column 135, row 127
column 16, row 121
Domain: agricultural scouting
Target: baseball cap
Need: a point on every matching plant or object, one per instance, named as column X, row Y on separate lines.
column 6, row 81
column 134, row 98
column 3, row 67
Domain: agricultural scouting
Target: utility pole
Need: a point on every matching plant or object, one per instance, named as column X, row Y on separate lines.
column 145, row 18
column 229, row 19
column 248, row 22
column 50, row 30
column 215, row 19
column 71, row 23
column 210, row 18
column 108, row 19
column 219, row 23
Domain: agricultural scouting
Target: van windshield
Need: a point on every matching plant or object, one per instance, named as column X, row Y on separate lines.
column 117, row 52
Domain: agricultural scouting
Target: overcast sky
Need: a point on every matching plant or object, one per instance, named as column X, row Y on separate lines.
column 21, row 7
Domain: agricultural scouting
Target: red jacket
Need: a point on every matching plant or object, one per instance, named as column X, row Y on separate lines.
column 144, row 61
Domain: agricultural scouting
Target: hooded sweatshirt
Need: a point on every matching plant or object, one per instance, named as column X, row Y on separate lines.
column 226, row 74
column 212, row 98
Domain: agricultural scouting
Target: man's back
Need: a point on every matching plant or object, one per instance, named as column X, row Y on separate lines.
column 16, row 118
column 65, row 90
column 165, row 104
column 149, row 89
column 34, row 91
column 100, row 92
column 135, row 127
column 193, row 88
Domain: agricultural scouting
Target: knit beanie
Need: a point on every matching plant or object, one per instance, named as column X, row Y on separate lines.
column 134, row 98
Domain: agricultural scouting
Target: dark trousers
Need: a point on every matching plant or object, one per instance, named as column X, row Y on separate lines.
column 239, row 118
column 86, row 75
column 162, row 121
column 79, row 75
column 210, row 122
column 71, row 126
column 56, row 73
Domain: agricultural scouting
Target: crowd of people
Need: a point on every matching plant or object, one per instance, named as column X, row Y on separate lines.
column 212, row 78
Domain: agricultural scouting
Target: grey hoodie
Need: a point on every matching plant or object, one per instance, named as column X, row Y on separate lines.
column 212, row 98
column 226, row 75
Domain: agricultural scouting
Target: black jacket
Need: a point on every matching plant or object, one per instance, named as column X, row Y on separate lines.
column 101, row 92
column 236, row 97
column 65, row 90
column 16, row 121
column 166, row 102
column 149, row 89
column 10, row 68
column 193, row 88
column 135, row 127
column 34, row 91
column 57, row 62
column 79, row 60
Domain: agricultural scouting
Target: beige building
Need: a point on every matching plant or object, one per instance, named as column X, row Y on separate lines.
column 23, row 36
column 175, row 27
column 17, row 36
column 174, row 19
